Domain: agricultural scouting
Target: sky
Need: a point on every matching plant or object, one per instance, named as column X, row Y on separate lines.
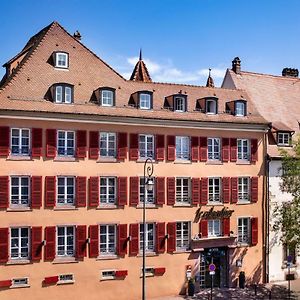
column 180, row 40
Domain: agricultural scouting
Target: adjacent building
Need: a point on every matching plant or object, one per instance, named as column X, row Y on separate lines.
column 74, row 137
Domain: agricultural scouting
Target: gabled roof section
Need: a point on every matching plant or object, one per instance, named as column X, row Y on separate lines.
column 140, row 71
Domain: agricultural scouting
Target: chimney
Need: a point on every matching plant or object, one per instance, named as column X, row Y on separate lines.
column 77, row 35
column 236, row 65
column 290, row 72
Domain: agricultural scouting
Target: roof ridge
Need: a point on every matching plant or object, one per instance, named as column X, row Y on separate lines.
column 269, row 75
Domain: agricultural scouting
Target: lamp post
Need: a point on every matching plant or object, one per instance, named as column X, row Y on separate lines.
column 148, row 186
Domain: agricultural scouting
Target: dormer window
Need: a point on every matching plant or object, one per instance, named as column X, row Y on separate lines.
column 142, row 100
column 283, row 139
column 63, row 93
column 61, row 60
column 107, row 97
column 145, row 101
column 211, row 106
column 179, row 104
column 240, row 108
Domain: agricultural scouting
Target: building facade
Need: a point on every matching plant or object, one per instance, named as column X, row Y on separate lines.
column 74, row 137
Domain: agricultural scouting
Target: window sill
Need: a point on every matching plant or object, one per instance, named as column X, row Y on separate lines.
column 18, row 262
column 19, row 157
column 65, row 282
column 142, row 160
column 214, row 162
column 64, row 260
column 65, row 208
column 243, row 244
column 61, row 68
column 107, row 257
column 107, row 206
column 146, row 206
column 243, row 162
column 21, row 286
column 107, row 160
column 182, row 161
column 243, row 202
column 19, row 209
column 64, row 158
column 148, row 254
column 181, row 251
column 215, row 203
column 182, row 205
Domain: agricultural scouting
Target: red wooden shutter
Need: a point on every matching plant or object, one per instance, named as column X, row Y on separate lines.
column 81, row 143
column 122, row 191
column 4, row 141
column 134, row 239
column 254, row 148
column 36, row 142
column 195, row 148
column 94, row 191
column 94, row 240
column 203, row 149
column 36, row 243
column 171, row 231
column 254, row 189
column 80, row 241
column 50, row 143
column 171, row 190
column 204, row 191
column 134, row 146
column 50, row 187
column 234, row 189
column 134, row 191
column 122, row 239
column 36, row 191
column 233, row 149
column 254, row 231
column 121, row 273
column 159, row 271
column 122, row 145
column 5, row 283
column 160, row 147
column 203, row 228
column 50, row 280
column 226, row 189
column 80, row 191
column 4, row 191
column 3, row 245
column 226, row 226
column 160, row 190
column 160, row 237
column 195, row 191
column 171, row 148
column 93, row 144
column 49, row 251
column 225, row 149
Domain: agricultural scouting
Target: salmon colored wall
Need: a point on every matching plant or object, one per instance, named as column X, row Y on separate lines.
column 87, row 272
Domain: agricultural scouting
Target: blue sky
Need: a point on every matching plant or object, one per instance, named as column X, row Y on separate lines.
column 180, row 39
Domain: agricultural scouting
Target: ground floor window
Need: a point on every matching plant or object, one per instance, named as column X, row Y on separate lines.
column 289, row 254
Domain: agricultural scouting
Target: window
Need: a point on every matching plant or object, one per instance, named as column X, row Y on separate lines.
column 107, row 274
column 243, row 149
column 65, row 278
column 244, row 230
column 182, row 147
column 19, row 191
column 214, row 148
column 149, row 237
column 65, row 191
column 211, row 106
column 243, row 187
column 145, row 101
column 182, row 190
column 283, row 138
column 214, row 227
column 107, row 190
column 61, row 60
column 289, row 251
column 240, row 109
column 20, row 282
column 182, row 236
column 107, row 97
column 65, row 241
column 107, row 144
column 146, row 146
column 149, row 272
column 63, row 94
column 179, row 104
column 19, row 243
column 66, row 143
column 214, row 190
column 149, row 194
column 20, row 141
column 107, row 239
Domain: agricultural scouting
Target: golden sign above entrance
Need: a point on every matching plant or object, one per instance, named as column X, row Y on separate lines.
column 212, row 214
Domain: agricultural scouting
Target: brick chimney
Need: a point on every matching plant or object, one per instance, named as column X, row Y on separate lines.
column 290, row 72
column 77, row 35
column 236, row 65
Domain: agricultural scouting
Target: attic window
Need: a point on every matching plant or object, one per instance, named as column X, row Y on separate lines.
column 283, row 139
column 145, row 101
column 61, row 60
column 240, row 108
column 63, row 93
column 179, row 104
column 107, row 97
column 211, row 106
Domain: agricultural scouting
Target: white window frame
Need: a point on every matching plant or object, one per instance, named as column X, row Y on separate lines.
column 110, row 247
column 283, row 138
column 107, row 274
column 214, row 110
column 63, row 93
column 240, row 108
column 107, row 97
column 183, row 190
column 20, row 190
column 244, row 230
column 19, row 246
column 66, row 60
column 65, row 200
column 214, row 149
column 144, row 101
column 150, row 195
column 183, row 236
column 179, row 104
column 243, row 189
column 65, row 244
column 214, row 190
column 106, row 197
column 65, row 139
column 149, row 237
column 20, row 138
column 182, row 147
column 20, row 282
column 147, row 145
column 65, row 278
column 214, row 228
column 105, row 141
column 243, row 144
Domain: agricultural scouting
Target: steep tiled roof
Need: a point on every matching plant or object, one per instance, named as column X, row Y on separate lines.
column 140, row 71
